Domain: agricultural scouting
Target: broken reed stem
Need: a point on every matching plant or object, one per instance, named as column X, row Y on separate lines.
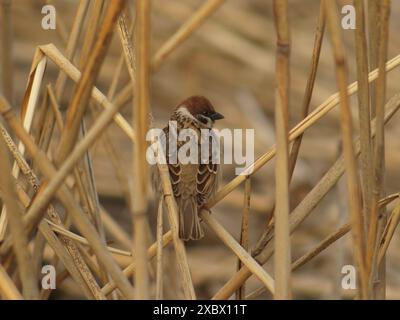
column 244, row 232
column 28, row 110
column 81, row 96
column 379, row 147
column 6, row 53
column 281, row 214
column 65, row 65
column 366, row 164
column 79, row 218
column 348, row 148
column 70, row 255
column 17, row 230
column 159, row 261
column 304, row 209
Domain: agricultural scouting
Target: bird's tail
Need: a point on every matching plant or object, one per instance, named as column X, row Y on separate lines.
column 189, row 221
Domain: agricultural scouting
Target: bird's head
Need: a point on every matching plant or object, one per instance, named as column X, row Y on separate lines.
column 200, row 109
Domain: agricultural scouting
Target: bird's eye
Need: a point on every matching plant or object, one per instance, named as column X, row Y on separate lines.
column 203, row 118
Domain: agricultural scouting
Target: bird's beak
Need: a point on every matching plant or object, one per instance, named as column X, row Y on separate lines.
column 216, row 116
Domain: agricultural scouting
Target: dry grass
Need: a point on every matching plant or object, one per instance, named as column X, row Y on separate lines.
column 51, row 206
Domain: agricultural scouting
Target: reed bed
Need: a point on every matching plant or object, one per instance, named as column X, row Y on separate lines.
column 111, row 70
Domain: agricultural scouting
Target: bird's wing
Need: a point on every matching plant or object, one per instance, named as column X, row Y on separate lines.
column 208, row 176
column 174, row 168
column 206, row 182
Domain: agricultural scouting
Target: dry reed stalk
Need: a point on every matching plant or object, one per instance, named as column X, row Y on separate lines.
column 36, row 210
column 179, row 246
column 6, row 53
column 55, row 106
column 327, row 241
column 115, row 160
column 129, row 270
column 294, row 152
column 115, row 229
column 89, row 260
column 114, row 82
column 91, row 195
column 69, row 255
column 388, row 233
column 320, row 111
column 140, row 112
column 78, row 216
column 8, row 290
column 47, row 128
column 28, row 109
column 118, row 167
column 366, row 164
column 65, row 65
column 159, row 260
column 92, row 29
column 222, row 38
column 244, row 232
column 74, row 263
column 282, row 258
column 379, row 146
column 330, row 239
column 17, row 230
column 61, row 230
column 299, row 129
column 373, row 44
column 242, row 254
column 319, row 35
column 83, row 89
column 354, row 204
column 73, row 42
column 304, row 209
column 182, row 34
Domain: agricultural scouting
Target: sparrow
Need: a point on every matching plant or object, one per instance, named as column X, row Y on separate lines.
column 193, row 184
